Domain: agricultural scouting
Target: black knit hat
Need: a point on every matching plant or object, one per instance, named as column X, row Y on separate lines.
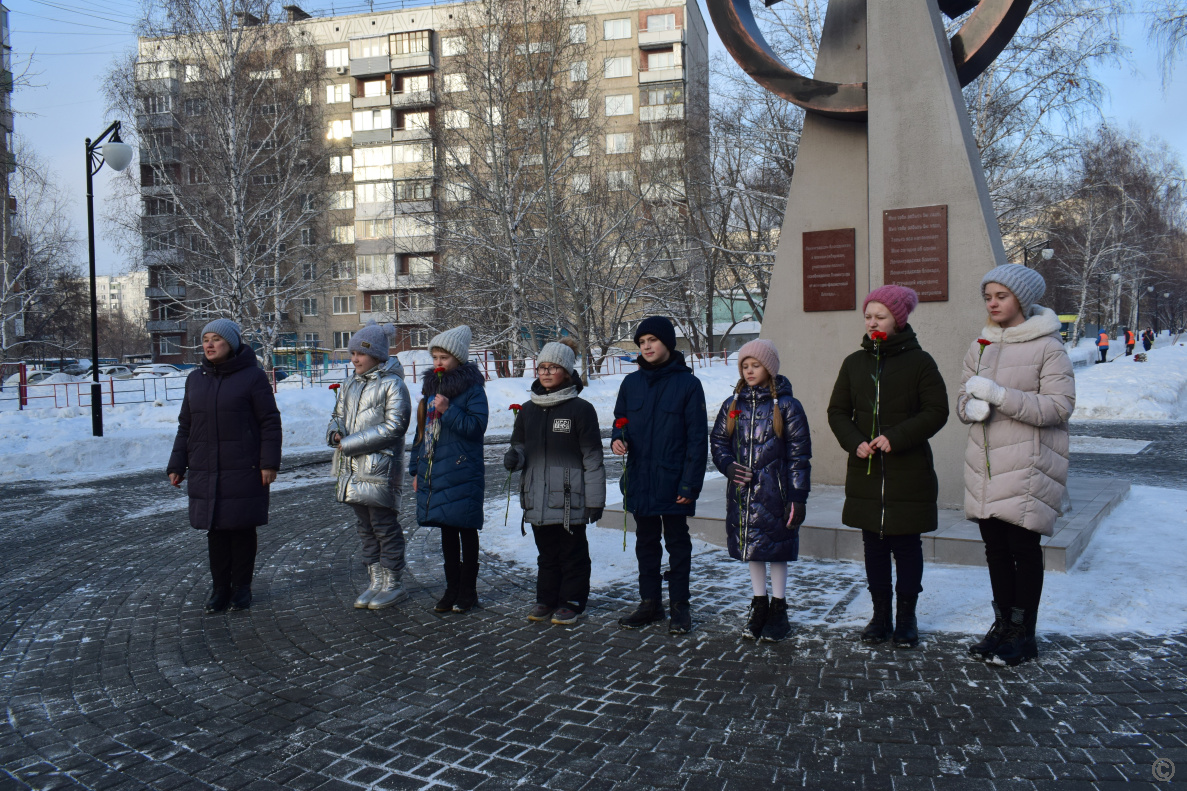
column 659, row 326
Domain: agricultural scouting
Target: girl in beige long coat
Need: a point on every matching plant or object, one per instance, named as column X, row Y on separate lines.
column 1017, row 393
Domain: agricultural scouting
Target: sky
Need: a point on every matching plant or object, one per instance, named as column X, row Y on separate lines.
column 73, row 45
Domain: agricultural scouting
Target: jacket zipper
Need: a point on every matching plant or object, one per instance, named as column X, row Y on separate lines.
column 750, row 464
column 879, row 368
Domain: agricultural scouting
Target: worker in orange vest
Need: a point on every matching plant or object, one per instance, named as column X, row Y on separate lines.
column 1130, row 341
column 1102, row 343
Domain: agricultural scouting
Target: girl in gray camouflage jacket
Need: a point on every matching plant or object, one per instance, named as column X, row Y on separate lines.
column 367, row 430
column 558, row 445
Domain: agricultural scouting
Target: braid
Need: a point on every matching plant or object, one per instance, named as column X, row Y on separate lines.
column 776, row 413
column 731, row 422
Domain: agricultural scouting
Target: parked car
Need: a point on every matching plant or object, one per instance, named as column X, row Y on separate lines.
column 33, row 377
column 115, row 372
column 78, row 369
column 155, row 369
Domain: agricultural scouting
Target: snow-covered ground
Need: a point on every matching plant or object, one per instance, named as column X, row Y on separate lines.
column 1124, row 389
column 1111, row 589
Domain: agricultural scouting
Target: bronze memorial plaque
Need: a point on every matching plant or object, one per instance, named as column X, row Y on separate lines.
column 830, row 264
column 915, row 250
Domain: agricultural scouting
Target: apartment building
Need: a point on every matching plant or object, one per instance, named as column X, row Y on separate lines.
column 384, row 77
column 126, row 294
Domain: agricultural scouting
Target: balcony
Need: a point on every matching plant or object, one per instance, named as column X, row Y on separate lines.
column 165, row 325
column 371, row 136
column 675, row 74
column 418, row 61
column 156, row 121
column 414, row 99
column 166, row 292
column 369, row 67
column 660, row 39
column 387, row 281
column 364, row 102
column 158, row 155
column 661, row 112
column 412, row 134
column 397, row 317
column 414, row 244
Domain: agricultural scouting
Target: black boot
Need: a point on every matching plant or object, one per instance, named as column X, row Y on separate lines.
column 452, row 574
column 777, row 628
column 757, row 618
column 906, row 629
column 881, row 626
column 241, row 598
column 681, row 620
column 220, row 599
column 467, row 591
column 648, row 612
column 1018, row 643
column 993, row 638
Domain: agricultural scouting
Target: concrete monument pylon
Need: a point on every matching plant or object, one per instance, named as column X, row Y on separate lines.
column 888, row 187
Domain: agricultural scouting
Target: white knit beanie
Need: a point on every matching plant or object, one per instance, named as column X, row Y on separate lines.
column 1024, row 283
column 557, row 354
column 455, row 341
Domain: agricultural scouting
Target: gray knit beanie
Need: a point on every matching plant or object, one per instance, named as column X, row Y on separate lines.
column 557, row 354
column 1023, row 282
column 227, row 330
column 373, row 340
column 455, row 341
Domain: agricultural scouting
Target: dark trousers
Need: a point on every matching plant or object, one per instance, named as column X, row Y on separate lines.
column 382, row 537
column 563, row 576
column 1146, row 344
column 459, row 544
column 1015, row 558
column 1104, row 354
column 673, row 528
column 232, row 557
column 1128, row 349
column 908, row 561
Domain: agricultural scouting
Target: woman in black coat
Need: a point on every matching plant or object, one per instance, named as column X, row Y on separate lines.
column 228, row 440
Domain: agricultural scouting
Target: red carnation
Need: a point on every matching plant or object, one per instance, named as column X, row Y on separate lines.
column 335, row 386
column 878, row 336
column 438, row 371
column 984, row 342
column 735, row 414
column 620, row 423
column 515, row 407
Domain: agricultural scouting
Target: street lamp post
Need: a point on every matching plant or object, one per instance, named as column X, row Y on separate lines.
column 1115, row 302
column 1150, row 290
column 118, row 154
column 1043, row 248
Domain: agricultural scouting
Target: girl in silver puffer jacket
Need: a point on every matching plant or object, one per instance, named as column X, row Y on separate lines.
column 367, row 430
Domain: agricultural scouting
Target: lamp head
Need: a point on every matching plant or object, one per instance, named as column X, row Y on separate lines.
column 116, row 153
column 1048, row 253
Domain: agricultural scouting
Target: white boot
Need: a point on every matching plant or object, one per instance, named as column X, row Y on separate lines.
column 391, row 592
column 377, row 577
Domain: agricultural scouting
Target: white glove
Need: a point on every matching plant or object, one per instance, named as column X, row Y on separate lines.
column 976, row 410
column 986, row 390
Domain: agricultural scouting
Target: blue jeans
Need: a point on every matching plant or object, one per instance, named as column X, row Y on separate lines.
column 908, row 561
column 650, row 553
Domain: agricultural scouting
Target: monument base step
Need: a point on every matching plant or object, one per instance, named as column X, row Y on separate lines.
column 956, row 541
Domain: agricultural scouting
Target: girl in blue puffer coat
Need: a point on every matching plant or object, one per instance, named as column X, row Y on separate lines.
column 761, row 443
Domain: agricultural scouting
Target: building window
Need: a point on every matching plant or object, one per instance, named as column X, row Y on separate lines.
column 670, row 94
column 416, row 120
column 341, row 164
column 309, row 306
column 411, row 152
column 373, row 229
column 619, row 180
column 412, row 300
column 457, row 119
column 374, row 192
column 306, row 241
column 455, row 83
column 342, row 339
column 410, row 43
column 613, row 29
column 458, row 156
column 373, row 164
column 342, row 270
column 581, row 146
column 170, row 344
column 455, row 191
column 413, row 83
column 375, row 88
column 620, row 104
column 193, row 72
column 375, row 264
column 308, row 271
column 418, row 339
column 337, row 94
column 490, row 42
column 617, row 67
column 665, row 59
column 313, row 340
column 383, row 303
column 417, row 265
column 620, row 143
column 158, row 103
column 371, row 120
column 342, row 234
column 453, row 45
column 658, row 22
column 413, row 189
column 580, row 108
column 342, row 199
column 344, row 305
column 195, row 107
column 338, row 130
column 579, row 183
column 337, row 57
column 579, row 71
column 577, row 34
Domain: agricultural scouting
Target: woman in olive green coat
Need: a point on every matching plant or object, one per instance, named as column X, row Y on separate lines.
column 889, row 400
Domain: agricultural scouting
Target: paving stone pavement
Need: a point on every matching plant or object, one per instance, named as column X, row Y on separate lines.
column 1162, row 463
column 112, row 676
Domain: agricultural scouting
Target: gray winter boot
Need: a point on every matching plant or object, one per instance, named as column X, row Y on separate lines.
column 376, row 572
column 391, row 592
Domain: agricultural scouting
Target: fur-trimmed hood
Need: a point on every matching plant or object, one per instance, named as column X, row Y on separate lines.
column 453, row 382
column 1041, row 323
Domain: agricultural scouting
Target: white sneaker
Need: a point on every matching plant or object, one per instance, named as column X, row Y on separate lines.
column 377, row 577
column 391, row 592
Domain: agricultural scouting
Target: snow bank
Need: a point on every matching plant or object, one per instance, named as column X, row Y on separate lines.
column 1123, row 389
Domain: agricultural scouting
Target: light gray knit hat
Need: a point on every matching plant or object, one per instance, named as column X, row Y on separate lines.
column 373, row 340
column 1023, row 282
column 455, row 341
column 557, row 354
column 227, row 330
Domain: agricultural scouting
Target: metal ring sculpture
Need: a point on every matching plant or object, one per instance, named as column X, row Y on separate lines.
column 980, row 39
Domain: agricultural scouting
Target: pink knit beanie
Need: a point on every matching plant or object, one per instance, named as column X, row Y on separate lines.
column 899, row 300
column 762, row 350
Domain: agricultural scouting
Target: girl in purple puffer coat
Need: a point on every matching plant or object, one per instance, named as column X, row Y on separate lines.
column 760, row 442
